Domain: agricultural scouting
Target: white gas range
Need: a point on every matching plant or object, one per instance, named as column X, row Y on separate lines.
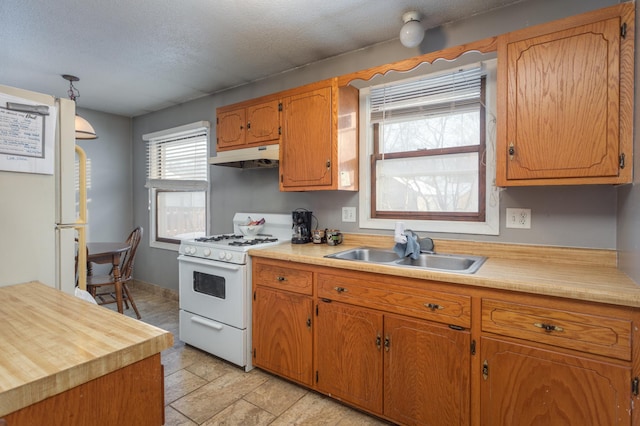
column 215, row 286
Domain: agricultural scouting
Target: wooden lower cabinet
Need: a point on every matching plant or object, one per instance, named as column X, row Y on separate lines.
column 427, row 369
column 417, row 370
column 524, row 385
column 421, row 352
column 282, row 334
column 349, row 354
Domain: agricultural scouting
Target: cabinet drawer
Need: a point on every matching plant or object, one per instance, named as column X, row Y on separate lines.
column 596, row 334
column 432, row 305
column 283, row 278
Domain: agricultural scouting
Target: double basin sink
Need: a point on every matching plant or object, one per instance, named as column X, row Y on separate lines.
column 458, row 263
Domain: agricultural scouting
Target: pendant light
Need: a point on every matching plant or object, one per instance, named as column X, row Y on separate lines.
column 84, row 130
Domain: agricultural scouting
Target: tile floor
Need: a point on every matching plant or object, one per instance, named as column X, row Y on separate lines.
column 201, row 389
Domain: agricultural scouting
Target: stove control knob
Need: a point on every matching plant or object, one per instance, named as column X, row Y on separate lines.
column 229, row 256
column 189, row 250
column 221, row 255
column 206, row 252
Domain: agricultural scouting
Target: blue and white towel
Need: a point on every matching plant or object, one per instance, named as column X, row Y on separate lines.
column 409, row 249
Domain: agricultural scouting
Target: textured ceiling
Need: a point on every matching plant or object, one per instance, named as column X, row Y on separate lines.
column 139, row 56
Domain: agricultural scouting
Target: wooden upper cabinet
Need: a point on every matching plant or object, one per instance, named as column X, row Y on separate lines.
column 248, row 124
column 319, row 146
column 263, row 122
column 230, row 128
column 565, row 101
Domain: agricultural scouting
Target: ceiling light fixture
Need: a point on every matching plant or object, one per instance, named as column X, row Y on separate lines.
column 84, row 130
column 412, row 32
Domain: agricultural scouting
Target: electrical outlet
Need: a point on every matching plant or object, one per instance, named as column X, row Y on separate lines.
column 348, row 214
column 519, row 218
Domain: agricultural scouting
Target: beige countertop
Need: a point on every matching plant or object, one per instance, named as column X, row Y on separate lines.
column 581, row 274
column 52, row 342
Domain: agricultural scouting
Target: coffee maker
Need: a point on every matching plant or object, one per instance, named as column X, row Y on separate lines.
column 301, row 226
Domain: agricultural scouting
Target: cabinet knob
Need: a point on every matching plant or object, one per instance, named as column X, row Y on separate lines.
column 512, row 151
column 280, row 278
column 340, row 289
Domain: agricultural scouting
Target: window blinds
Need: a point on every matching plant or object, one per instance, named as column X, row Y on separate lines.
column 426, row 96
column 178, row 160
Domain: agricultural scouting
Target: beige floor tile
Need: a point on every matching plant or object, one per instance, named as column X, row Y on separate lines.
column 276, row 395
column 314, row 409
column 210, row 368
column 175, row 418
column 181, row 383
column 241, row 413
column 210, row 399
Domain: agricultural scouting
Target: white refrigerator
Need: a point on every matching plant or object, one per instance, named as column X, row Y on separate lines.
column 38, row 209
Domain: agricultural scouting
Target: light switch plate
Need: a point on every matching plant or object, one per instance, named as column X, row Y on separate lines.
column 519, row 218
column 348, row 214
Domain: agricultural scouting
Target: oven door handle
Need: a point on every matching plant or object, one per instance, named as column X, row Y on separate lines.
column 207, row 323
column 210, row 263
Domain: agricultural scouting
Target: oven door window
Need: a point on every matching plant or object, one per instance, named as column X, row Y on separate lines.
column 211, row 285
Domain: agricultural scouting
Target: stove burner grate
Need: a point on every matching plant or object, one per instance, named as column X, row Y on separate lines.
column 219, row 237
column 253, row 242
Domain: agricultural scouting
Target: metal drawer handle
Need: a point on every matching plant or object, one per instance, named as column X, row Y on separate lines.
column 279, row 278
column 433, row 306
column 548, row 327
column 340, row 289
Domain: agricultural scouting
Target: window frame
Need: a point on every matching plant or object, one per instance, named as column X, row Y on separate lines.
column 157, row 186
column 434, row 222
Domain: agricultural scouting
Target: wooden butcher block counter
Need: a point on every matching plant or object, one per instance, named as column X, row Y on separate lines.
column 67, row 361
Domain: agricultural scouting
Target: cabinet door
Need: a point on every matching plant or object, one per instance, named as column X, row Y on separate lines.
column 563, row 104
column 426, row 373
column 523, row 385
column 282, row 335
column 230, row 129
column 349, row 354
column 263, row 123
column 306, row 141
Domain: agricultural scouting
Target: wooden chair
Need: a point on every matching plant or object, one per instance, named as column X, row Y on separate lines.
column 95, row 283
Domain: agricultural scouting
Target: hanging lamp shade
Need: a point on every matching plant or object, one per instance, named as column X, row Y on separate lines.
column 84, row 130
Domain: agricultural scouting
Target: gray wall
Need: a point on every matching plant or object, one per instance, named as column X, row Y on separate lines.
column 583, row 216
column 628, row 224
column 109, row 169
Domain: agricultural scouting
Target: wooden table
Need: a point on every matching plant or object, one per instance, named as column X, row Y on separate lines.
column 108, row 253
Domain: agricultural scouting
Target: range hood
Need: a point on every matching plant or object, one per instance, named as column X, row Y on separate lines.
column 248, row 158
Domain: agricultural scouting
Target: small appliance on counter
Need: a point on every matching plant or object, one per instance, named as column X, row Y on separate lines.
column 301, row 226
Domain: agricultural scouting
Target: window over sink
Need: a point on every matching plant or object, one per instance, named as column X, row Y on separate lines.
column 177, row 179
column 427, row 151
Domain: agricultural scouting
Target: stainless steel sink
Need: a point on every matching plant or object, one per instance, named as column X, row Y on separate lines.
column 365, row 254
column 463, row 264
column 445, row 262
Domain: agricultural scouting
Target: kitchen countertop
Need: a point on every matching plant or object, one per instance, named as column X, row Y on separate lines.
column 53, row 341
column 575, row 273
